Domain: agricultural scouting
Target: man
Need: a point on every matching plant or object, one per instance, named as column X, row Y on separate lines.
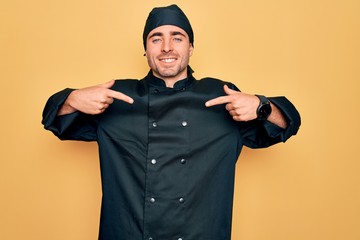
column 168, row 143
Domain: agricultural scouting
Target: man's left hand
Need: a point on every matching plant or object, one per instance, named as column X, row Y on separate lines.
column 241, row 106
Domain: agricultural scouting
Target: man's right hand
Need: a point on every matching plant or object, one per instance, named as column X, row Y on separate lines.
column 92, row 100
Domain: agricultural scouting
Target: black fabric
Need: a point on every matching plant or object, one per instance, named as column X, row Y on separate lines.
column 167, row 162
column 170, row 15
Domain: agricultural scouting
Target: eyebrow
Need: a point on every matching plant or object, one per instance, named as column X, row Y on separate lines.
column 173, row 33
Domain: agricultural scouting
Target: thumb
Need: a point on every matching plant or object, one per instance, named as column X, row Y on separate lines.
column 228, row 90
column 107, row 84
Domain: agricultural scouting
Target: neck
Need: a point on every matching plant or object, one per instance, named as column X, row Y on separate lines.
column 170, row 81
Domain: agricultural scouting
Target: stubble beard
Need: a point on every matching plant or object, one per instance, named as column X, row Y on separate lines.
column 170, row 72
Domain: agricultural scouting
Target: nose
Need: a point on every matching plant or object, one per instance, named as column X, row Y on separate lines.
column 167, row 46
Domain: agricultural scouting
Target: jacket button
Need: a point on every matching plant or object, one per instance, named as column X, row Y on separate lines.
column 184, row 123
column 183, row 161
column 181, row 200
column 180, row 239
column 150, row 238
column 154, row 124
column 153, row 161
column 152, row 200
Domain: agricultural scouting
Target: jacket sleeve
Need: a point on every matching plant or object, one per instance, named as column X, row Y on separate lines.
column 260, row 134
column 74, row 126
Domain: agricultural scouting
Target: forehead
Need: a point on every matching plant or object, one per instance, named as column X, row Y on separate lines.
column 167, row 29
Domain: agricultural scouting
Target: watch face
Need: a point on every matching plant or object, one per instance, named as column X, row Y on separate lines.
column 264, row 111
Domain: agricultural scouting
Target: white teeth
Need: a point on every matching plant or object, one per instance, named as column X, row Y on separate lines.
column 168, row 60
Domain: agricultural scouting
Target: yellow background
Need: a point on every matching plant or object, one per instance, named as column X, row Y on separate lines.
column 308, row 50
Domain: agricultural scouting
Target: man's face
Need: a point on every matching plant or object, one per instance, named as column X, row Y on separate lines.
column 168, row 50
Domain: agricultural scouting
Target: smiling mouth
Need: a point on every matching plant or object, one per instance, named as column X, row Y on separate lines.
column 168, row 60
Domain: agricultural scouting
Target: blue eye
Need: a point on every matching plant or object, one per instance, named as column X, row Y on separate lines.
column 177, row 39
column 156, row 40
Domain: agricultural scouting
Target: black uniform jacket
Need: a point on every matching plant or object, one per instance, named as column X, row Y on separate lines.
column 167, row 162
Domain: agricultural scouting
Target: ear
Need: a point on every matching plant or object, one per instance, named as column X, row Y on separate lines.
column 191, row 49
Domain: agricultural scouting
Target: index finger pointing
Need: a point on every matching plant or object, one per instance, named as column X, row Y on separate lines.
column 218, row 101
column 120, row 96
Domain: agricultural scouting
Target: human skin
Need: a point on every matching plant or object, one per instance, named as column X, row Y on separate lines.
column 168, row 52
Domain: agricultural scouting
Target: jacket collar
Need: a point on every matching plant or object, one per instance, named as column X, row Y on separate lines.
column 179, row 85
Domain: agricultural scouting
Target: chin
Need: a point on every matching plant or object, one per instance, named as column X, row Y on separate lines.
column 168, row 73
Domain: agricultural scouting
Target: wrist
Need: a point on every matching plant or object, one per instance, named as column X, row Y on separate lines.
column 67, row 108
column 264, row 109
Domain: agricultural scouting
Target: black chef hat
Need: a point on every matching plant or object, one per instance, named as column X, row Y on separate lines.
column 170, row 15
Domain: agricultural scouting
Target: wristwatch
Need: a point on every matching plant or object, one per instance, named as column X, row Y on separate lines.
column 264, row 109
